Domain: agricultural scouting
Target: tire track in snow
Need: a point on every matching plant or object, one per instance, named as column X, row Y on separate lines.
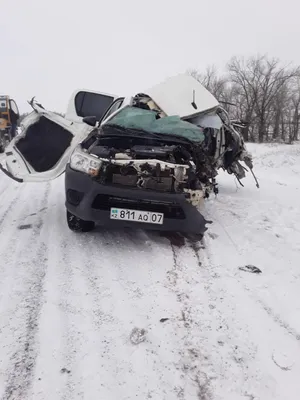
column 12, row 245
column 185, row 276
column 11, row 200
column 70, row 344
column 62, row 359
column 228, row 355
column 57, row 333
column 278, row 320
column 214, row 353
column 72, row 301
column 22, row 361
column 85, row 338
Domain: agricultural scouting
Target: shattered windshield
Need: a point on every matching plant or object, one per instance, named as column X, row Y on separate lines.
column 145, row 120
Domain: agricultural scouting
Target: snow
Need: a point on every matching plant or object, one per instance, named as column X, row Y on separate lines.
column 71, row 304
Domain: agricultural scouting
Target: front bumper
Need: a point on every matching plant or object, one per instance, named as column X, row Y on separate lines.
column 91, row 201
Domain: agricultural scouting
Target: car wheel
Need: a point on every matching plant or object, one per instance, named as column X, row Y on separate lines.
column 79, row 225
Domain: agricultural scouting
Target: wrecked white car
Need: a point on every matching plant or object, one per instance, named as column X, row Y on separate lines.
column 149, row 162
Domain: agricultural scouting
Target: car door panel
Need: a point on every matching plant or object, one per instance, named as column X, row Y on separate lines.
column 87, row 103
column 42, row 150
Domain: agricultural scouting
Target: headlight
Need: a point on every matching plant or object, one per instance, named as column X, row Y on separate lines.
column 85, row 163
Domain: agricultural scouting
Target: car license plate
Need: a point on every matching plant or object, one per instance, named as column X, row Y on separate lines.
column 137, row 216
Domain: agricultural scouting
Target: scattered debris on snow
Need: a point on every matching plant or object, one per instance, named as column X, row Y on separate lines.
column 65, row 371
column 138, row 336
column 163, row 319
column 251, row 268
column 25, row 226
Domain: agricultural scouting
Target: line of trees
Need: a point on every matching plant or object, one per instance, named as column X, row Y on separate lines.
column 260, row 91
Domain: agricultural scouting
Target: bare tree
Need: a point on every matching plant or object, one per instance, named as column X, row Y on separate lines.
column 295, row 101
column 212, row 82
column 266, row 94
column 273, row 84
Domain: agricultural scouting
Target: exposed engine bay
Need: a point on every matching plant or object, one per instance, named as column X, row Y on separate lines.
column 160, row 167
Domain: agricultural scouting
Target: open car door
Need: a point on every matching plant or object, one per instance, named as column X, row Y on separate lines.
column 43, row 148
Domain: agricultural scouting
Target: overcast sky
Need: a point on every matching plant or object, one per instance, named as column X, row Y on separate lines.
column 49, row 48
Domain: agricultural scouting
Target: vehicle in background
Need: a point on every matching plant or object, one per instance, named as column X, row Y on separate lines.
column 9, row 115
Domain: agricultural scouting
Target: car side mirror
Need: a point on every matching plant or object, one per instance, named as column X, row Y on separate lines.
column 90, row 120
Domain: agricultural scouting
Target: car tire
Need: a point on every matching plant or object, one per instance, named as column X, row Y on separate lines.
column 79, row 225
column 2, row 145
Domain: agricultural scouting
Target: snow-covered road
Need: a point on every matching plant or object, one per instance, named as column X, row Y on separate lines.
column 69, row 302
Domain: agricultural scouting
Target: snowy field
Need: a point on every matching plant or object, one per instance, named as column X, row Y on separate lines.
column 69, row 302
